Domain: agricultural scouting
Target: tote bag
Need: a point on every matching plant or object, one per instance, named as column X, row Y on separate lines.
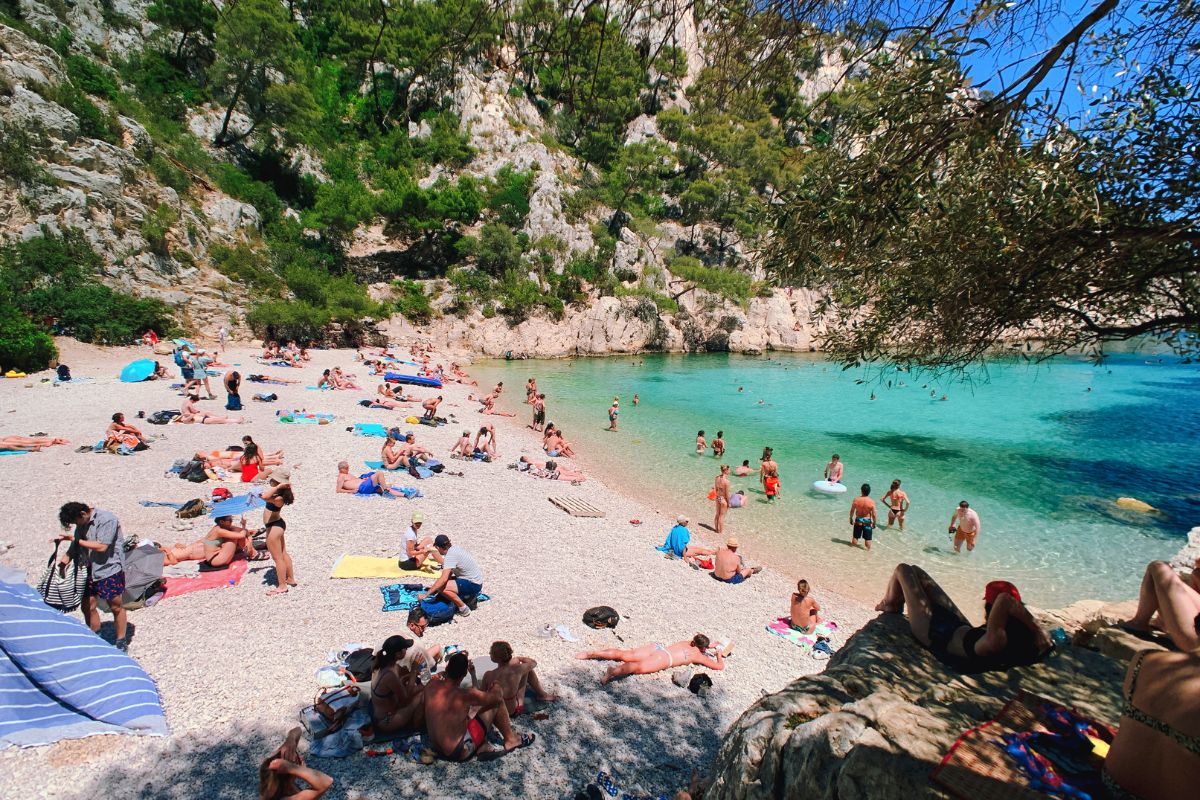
column 62, row 587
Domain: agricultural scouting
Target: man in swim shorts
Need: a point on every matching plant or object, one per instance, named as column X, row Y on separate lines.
column 833, row 470
column 805, row 610
column 454, row 732
column 728, row 566
column 964, row 525
column 374, row 482
column 862, row 517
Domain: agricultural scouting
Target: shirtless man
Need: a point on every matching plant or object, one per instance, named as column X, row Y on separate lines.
column 454, row 733
column 805, row 609
column 189, row 412
column 530, row 390
column 514, row 675
column 964, row 524
column 498, row 389
column 862, row 517
column 721, row 491
column 431, row 406
column 485, row 442
column 897, row 504
column 556, row 445
column 769, row 474
column 744, row 469
column 489, row 407
column 718, row 445
column 727, row 564
column 539, row 412
column 833, row 470
column 374, row 482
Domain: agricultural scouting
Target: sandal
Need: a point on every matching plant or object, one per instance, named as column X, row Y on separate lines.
column 491, row 755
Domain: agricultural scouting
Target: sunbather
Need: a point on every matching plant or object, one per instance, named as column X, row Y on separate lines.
column 651, row 658
column 552, row 470
column 121, row 433
column 341, row 380
column 462, row 447
column 271, row 379
column 454, row 732
column 392, row 453
column 374, row 482
column 1174, row 598
column 219, row 547
column 396, row 394
column 396, row 697
column 191, row 413
column 1010, row 637
column 279, row 772
column 555, row 445
column 489, row 407
column 679, row 544
column 513, row 674
column 30, row 442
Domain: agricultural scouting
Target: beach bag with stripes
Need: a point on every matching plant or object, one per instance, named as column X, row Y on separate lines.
column 62, row 587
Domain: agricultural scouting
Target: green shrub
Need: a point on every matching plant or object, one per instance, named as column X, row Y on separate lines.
column 445, row 144
column 155, row 227
column 724, row 282
column 509, row 195
column 17, row 162
column 411, row 302
column 93, row 123
column 661, row 301
column 168, row 174
column 246, row 264
column 498, row 250
column 90, row 77
column 23, row 346
column 236, row 182
column 288, row 319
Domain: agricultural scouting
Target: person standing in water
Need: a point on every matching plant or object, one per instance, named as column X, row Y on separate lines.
column 701, row 445
column 718, row 445
column 721, row 497
column 897, row 504
column 862, row 517
column 964, row 525
column 833, row 470
column 636, row 399
column 613, row 410
column 769, row 473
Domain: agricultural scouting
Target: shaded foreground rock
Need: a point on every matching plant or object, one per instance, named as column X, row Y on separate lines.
column 885, row 712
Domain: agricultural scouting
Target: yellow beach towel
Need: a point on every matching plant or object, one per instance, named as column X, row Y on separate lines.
column 377, row 567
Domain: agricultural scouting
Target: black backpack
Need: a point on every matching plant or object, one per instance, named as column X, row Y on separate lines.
column 601, row 617
column 194, row 471
column 162, row 417
column 359, row 664
column 64, row 372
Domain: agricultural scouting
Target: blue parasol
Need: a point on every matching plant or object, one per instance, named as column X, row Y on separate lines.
column 138, row 371
column 236, row 506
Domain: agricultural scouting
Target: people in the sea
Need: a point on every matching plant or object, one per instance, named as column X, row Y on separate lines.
column 678, row 543
column 515, row 675
column 834, row 469
column 636, row 399
column 805, row 611
column 701, row 444
column 729, row 566
column 219, row 547
column 964, row 526
column 1174, row 598
column 372, row 482
column 769, row 474
column 720, row 495
column 896, row 502
column 279, row 772
column 738, row 499
column 650, row 658
column 457, row 733
column 461, row 577
column 32, row 443
column 396, row 695
column 99, row 533
column 743, row 469
column 613, row 411
column 539, row 412
column 414, row 548
column 718, row 445
column 191, row 413
column 862, row 518
column 1156, row 752
column 275, row 497
column 1009, row 636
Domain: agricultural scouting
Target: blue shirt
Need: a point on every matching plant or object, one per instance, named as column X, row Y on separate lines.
column 677, row 540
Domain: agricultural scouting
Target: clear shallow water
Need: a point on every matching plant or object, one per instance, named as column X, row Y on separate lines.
column 1037, row 455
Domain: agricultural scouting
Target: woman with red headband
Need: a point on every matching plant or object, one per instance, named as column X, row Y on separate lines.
column 1009, row 637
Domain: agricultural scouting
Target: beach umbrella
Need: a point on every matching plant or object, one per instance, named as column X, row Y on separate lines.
column 138, row 371
column 184, row 343
column 236, row 506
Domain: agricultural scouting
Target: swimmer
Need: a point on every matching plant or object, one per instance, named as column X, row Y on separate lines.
column 701, row 445
column 833, row 470
column 744, row 469
column 718, row 445
column 636, row 399
column 897, row 504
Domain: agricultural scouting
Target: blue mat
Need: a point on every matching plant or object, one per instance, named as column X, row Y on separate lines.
column 422, row 472
column 236, row 506
column 370, row 429
column 13, row 452
column 397, row 597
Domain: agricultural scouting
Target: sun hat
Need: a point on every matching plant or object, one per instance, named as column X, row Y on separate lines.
column 731, row 542
column 418, row 516
column 281, row 475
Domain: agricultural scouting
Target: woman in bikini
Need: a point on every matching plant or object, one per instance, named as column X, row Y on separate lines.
column 276, row 497
column 396, row 696
column 218, row 548
column 701, row 445
column 656, row 657
column 191, row 413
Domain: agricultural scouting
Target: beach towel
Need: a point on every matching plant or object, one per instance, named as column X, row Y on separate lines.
column 403, row 597
column 206, row 580
column 161, row 504
column 422, row 472
column 304, row 418
column 370, row 429
column 49, row 663
column 348, row 566
column 782, row 628
column 13, row 452
column 1032, row 749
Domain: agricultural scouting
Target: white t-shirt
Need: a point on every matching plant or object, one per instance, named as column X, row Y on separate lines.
column 462, row 565
column 408, row 536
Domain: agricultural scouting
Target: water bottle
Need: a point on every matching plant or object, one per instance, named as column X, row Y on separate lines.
column 1060, row 638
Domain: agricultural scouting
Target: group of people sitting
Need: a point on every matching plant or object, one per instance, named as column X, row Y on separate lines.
column 554, row 444
column 483, row 448
column 334, row 378
column 219, row 546
column 292, row 354
column 247, row 459
column 726, row 563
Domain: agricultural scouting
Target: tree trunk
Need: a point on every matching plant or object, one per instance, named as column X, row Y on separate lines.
column 220, row 141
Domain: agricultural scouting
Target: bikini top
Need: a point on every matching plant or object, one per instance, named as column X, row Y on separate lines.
column 1189, row 743
column 276, row 507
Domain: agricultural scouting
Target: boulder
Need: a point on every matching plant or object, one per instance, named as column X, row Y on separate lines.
column 883, row 714
column 227, row 215
column 30, row 109
column 1187, row 556
column 24, row 62
column 91, row 183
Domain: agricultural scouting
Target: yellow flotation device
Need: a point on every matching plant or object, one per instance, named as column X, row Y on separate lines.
column 1133, row 504
column 12, row 373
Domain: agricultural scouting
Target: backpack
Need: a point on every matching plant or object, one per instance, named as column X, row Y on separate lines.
column 359, row 664
column 179, row 362
column 161, row 417
column 234, row 403
column 438, row 611
column 64, row 372
column 601, row 617
column 194, row 471
column 192, row 508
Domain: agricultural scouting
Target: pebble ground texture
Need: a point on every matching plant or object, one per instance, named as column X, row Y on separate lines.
column 234, row 666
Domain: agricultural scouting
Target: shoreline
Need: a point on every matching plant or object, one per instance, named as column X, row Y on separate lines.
column 234, row 666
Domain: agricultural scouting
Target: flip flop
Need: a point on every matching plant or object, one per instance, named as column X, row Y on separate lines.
column 491, row 755
column 635, row 522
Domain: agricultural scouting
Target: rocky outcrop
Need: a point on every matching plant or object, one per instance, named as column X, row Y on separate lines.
column 883, row 714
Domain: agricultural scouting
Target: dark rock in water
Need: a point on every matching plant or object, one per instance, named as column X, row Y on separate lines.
column 885, row 712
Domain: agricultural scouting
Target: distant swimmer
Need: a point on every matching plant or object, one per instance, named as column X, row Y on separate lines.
column 897, row 504
column 944, row 397
column 964, row 525
column 741, row 389
column 770, row 475
column 636, row 399
column 718, row 445
column 760, row 402
column 862, row 517
column 833, row 470
column 721, row 497
column 744, row 469
column 613, row 410
column 701, row 445
column 872, row 395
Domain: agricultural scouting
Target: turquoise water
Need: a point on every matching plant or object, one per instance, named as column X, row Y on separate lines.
column 1039, row 456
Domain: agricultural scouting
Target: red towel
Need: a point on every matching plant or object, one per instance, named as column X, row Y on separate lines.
column 207, row 580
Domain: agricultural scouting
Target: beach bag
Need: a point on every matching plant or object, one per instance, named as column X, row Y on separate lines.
column 64, row 372
column 601, row 617
column 162, row 417
column 438, row 611
column 234, row 403
column 194, row 471
column 62, row 587
column 359, row 664
column 179, row 362
column 192, row 508
column 329, row 711
column 221, row 493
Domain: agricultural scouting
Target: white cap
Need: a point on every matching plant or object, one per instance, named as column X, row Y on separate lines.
column 681, row 519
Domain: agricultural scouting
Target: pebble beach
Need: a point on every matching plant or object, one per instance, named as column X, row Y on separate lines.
column 234, row 666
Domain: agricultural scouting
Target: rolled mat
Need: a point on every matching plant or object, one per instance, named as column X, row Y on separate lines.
column 348, row 566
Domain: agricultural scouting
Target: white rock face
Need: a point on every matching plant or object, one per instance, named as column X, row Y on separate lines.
column 26, row 62
column 29, row 110
column 230, row 216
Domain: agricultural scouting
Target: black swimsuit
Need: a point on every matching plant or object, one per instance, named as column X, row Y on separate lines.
column 280, row 522
column 1021, row 648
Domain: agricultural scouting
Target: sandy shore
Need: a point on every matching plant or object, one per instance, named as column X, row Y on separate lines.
column 235, row 666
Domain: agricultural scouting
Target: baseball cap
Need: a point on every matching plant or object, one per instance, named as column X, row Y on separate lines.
column 442, row 540
column 395, row 644
column 418, row 517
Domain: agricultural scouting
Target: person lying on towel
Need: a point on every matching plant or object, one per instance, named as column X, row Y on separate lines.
column 374, row 482
column 218, row 548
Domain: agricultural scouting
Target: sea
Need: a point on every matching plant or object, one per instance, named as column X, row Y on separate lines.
column 1041, row 450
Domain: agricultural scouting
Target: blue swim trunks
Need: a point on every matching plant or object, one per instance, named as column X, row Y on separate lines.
column 468, row 588
column 368, row 485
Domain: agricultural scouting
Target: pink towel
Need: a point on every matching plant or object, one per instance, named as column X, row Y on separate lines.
column 207, row 580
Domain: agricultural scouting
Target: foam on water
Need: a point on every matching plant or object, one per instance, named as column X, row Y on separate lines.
column 1038, row 455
